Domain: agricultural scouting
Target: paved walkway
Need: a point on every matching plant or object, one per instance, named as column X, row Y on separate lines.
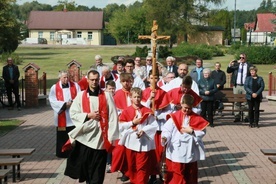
column 233, row 149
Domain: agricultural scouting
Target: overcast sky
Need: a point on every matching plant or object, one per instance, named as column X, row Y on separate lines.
column 229, row 4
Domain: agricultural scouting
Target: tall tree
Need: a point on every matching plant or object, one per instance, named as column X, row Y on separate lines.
column 179, row 17
column 126, row 25
column 9, row 27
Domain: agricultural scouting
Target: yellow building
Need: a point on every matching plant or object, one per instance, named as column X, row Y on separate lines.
column 67, row 28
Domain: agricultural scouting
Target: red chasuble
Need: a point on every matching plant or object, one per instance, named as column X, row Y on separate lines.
column 59, row 96
column 120, row 99
column 161, row 99
column 130, row 113
column 83, row 83
column 196, row 121
column 176, row 95
column 103, row 113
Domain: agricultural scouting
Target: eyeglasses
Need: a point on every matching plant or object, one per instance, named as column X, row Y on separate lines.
column 241, row 57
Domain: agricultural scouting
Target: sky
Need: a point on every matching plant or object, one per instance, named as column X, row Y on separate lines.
column 229, row 4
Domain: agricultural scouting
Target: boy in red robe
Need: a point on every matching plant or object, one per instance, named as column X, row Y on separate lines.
column 176, row 95
column 138, row 126
column 122, row 101
column 161, row 109
column 182, row 134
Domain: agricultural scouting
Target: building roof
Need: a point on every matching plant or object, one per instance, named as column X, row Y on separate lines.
column 264, row 22
column 81, row 20
column 249, row 26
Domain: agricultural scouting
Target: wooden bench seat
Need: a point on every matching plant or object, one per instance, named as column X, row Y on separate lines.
column 16, row 152
column 229, row 99
column 3, row 175
column 268, row 151
column 5, row 162
column 272, row 159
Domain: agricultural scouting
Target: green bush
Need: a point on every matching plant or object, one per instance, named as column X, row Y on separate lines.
column 16, row 58
column 141, row 52
column 258, row 54
column 164, row 52
column 201, row 51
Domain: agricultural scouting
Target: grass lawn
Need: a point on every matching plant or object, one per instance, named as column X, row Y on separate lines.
column 52, row 59
column 8, row 125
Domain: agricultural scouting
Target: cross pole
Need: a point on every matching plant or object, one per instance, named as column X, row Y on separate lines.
column 153, row 37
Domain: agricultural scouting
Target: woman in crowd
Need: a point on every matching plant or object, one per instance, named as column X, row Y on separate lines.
column 254, row 86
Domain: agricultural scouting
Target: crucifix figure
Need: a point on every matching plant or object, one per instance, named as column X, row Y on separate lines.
column 153, row 37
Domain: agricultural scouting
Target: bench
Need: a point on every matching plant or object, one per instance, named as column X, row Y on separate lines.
column 229, row 99
column 272, row 159
column 11, row 162
column 268, row 151
column 3, row 175
column 16, row 153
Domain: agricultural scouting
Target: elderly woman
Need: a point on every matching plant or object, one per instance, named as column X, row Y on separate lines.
column 254, row 86
column 207, row 88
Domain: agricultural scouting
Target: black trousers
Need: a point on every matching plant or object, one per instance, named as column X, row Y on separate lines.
column 13, row 88
column 86, row 164
column 253, row 110
column 207, row 108
column 62, row 138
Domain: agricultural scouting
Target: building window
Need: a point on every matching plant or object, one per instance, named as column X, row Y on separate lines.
column 89, row 35
column 78, row 34
column 40, row 34
column 52, row 35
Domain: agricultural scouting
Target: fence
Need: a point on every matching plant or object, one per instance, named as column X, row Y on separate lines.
column 271, row 84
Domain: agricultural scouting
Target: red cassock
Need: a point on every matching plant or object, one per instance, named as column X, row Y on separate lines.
column 161, row 101
column 120, row 99
column 184, row 172
column 176, row 96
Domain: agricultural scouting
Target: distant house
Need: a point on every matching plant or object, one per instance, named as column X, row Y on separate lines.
column 260, row 30
column 210, row 35
column 67, row 27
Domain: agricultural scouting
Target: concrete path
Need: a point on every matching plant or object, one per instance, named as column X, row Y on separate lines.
column 232, row 149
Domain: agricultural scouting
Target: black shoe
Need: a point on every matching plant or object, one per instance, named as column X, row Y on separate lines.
column 246, row 120
column 237, row 120
column 152, row 180
column 212, row 125
column 124, row 178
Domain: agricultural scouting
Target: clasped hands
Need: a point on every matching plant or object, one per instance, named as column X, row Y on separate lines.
column 135, row 122
column 95, row 115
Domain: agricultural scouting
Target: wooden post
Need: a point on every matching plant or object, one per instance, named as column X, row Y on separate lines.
column 270, row 84
column 153, row 37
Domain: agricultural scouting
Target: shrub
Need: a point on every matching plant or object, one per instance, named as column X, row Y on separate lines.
column 16, row 58
column 141, row 52
column 258, row 54
column 164, row 52
column 184, row 49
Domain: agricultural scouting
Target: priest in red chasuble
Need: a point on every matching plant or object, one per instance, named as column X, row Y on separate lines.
column 61, row 97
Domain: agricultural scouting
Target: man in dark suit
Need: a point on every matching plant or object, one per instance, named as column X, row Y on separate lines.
column 11, row 75
column 171, row 67
column 239, row 71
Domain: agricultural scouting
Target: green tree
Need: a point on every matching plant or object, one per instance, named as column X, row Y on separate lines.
column 110, row 9
column 126, row 25
column 9, row 27
column 221, row 18
column 178, row 17
column 25, row 9
column 70, row 6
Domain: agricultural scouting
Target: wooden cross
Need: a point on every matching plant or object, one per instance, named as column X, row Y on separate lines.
column 153, row 37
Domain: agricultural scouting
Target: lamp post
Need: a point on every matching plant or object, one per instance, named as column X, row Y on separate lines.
column 235, row 18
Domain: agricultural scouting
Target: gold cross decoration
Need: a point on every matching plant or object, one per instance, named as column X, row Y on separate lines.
column 153, row 37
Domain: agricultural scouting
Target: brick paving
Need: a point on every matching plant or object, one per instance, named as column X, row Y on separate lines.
column 232, row 149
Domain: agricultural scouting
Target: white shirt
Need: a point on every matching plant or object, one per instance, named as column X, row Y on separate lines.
column 183, row 148
column 175, row 83
column 138, row 82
